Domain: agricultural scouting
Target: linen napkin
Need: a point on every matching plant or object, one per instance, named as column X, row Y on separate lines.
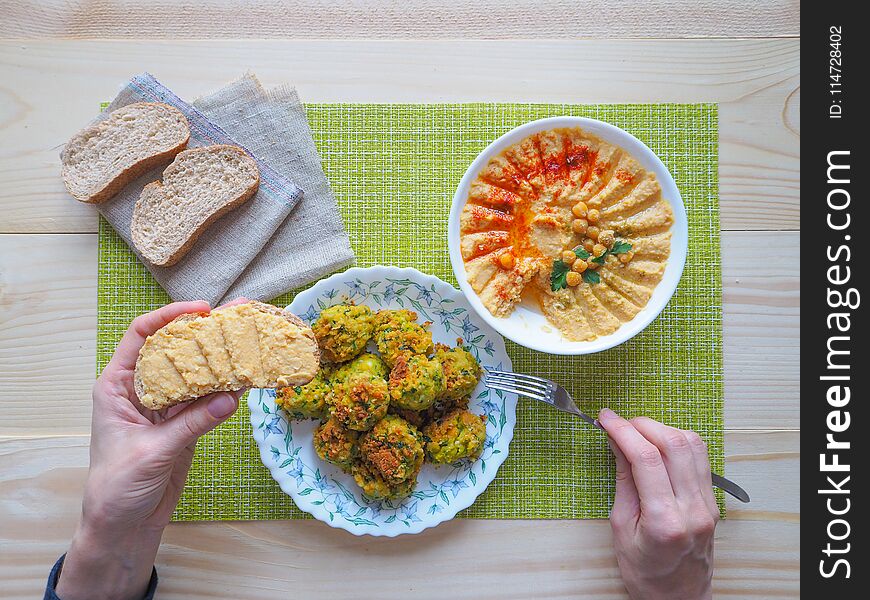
column 311, row 242
column 257, row 250
column 227, row 247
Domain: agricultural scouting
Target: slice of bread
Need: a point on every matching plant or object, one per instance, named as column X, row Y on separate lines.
column 101, row 159
column 200, row 186
column 176, row 363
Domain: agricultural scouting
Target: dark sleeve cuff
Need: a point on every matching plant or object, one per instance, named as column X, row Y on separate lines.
column 55, row 572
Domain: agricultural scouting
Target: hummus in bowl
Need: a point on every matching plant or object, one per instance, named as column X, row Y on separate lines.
column 568, row 235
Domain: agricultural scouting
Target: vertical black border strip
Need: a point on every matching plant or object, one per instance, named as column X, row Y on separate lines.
column 833, row 267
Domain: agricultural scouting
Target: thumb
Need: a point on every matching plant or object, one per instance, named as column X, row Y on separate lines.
column 200, row 417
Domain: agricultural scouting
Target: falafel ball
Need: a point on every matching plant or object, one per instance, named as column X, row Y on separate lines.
column 415, row 382
column 393, row 448
column 397, row 332
column 336, row 444
column 375, row 486
column 461, row 371
column 359, row 401
column 364, row 363
column 457, row 435
column 305, row 401
column 342, row 331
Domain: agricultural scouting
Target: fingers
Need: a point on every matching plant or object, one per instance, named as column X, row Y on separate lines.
column 702, row 468
column 197, row 419
column 626, row 504
column 647, row 466
column 144, row 325
column 677, row 455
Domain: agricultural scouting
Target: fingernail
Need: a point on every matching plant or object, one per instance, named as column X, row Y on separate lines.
column 606, row 414
column 221, row 405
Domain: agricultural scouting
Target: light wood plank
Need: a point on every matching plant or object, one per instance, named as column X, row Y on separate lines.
column 47, row 343
column 48, row 321
column 756, row 552
column 460, row 559
column 761, row 329
column 48, row 89
column 489, row 19
column 767, row 465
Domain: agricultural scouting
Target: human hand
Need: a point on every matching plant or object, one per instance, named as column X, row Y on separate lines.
column 664, row 515
column 139, row 460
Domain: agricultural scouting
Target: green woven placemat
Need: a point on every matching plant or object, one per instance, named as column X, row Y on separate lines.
column 394, row 169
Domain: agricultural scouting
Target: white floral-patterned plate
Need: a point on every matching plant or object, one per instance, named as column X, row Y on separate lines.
column 332, row 496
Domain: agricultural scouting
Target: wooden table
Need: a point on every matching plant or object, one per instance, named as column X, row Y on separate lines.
column 58, row 59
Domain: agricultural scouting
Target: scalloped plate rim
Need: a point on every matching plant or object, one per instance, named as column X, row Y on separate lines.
column 290, row 488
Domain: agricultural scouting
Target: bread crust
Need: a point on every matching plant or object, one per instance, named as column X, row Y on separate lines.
column 139, row 388
column 117, row 183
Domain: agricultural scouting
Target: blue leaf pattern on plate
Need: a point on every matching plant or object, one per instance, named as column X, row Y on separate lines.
column 350, row 506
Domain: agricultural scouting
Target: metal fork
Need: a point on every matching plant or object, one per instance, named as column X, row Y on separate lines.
column 544, row 390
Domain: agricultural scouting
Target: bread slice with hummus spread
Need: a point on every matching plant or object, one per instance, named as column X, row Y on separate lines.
column 252, row 344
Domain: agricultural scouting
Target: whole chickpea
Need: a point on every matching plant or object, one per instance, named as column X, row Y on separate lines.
column 507, row 261
column 568, row 257
column 579, row 226
column 579, row 210
column 607, row 237
column 626, row 256
column 592, row 231
column 598, row 250
column 579, row 265
column 593, row 215
column 588, row 244
column 573, row 279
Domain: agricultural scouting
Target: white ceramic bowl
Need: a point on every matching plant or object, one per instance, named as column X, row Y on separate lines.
column 332, row 496
column 527, row 326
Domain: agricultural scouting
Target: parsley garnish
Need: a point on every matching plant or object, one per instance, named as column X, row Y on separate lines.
column 558, row 276
column 619, row 247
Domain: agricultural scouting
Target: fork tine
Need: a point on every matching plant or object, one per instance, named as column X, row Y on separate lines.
column 523, row 376
column 542, row 393
column 510, row 390
column 543, row 388
column 520, row 378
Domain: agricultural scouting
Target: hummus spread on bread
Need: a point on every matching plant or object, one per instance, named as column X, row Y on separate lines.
column 572, row 221
column 250, row 344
